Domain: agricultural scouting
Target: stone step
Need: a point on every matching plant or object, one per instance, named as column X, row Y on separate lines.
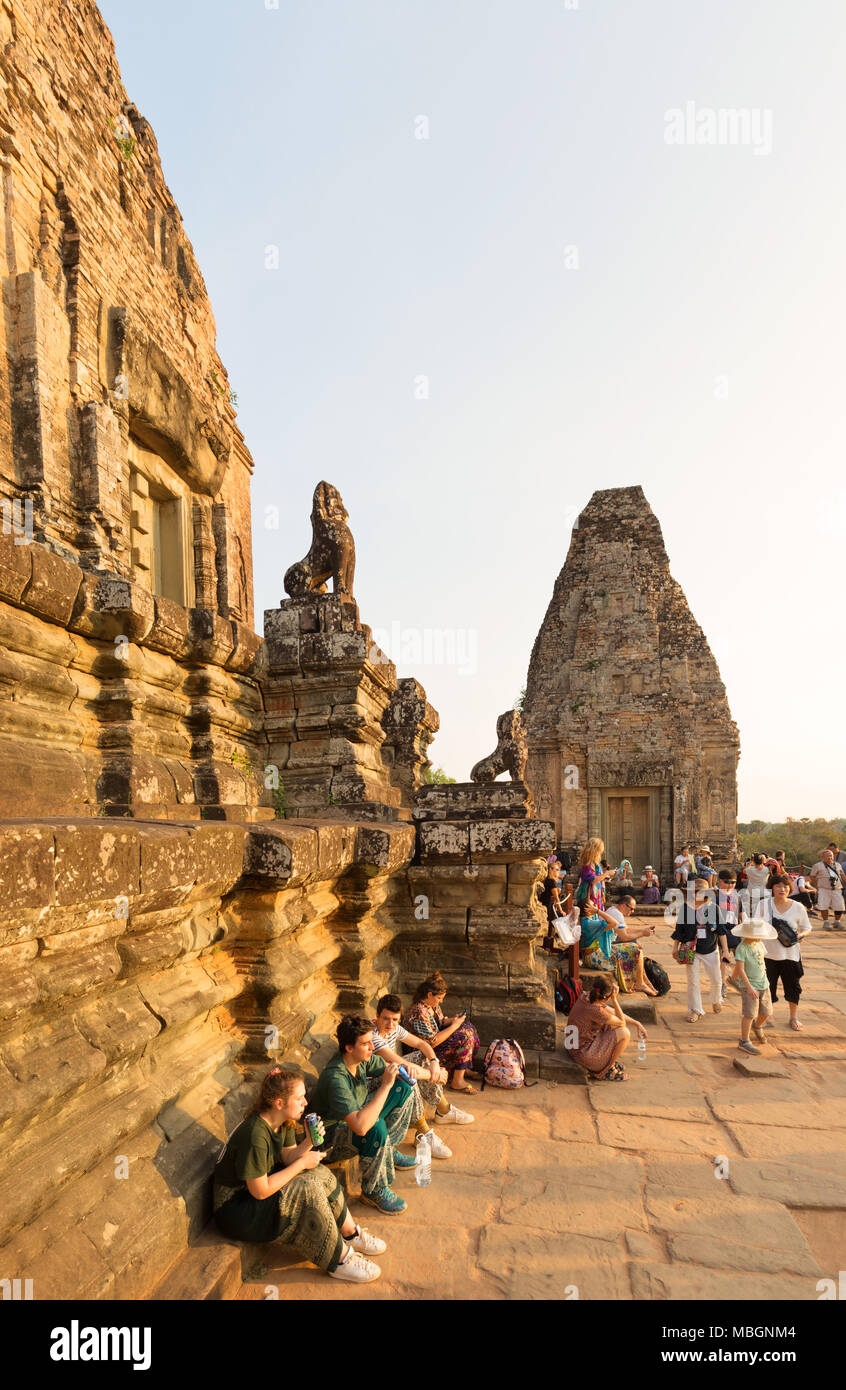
column 211, row 1271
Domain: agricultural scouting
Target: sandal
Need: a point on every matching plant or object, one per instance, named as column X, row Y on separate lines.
column 463, row 1090
column 616, row 1073
column 796, row 1025
column 694, row 1017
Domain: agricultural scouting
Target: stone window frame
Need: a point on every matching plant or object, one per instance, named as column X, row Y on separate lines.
column 162, row 485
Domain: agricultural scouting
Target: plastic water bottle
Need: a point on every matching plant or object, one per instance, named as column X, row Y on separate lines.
column 423, row 1171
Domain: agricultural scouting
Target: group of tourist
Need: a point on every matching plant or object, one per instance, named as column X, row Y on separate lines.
column 748, row 942
column 270, row 1187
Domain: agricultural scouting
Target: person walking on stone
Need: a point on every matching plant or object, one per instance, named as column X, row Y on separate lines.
column 829, row 878
column 750, row 970
column 783, row 956
column 700, row 944
column 268, row 1187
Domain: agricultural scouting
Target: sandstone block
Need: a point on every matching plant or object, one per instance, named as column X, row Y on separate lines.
column 496, row 839
column 96, row 861
column 27, row 864
column 446, row 840
column 67, row 974
column 15, row 567
column 119, row 1025
column 53, row 587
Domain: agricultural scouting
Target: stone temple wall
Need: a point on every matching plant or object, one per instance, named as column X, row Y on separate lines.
column 124, row 479
column 629, row 729
column 149, row 974
column 208, row 847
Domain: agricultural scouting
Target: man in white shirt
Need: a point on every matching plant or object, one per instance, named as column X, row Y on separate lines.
column 829, row 878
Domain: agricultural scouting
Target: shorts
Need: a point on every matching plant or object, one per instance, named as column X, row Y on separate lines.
column 830, row 898
column 761, row 1004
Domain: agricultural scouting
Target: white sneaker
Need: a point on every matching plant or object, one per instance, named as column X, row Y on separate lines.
column 356, row 1269
column 437, row 1145
column 366, row 1244
column 454, row 1116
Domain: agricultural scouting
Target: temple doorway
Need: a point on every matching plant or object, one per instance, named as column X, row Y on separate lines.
column 630, row 826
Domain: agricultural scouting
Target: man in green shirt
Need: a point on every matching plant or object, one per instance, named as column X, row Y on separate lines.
column 376, row 1121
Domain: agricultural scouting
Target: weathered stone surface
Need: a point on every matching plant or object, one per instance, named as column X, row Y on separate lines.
column 534, row 1264
column 692, row 1283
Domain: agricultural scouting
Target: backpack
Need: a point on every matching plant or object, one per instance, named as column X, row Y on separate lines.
column 656, row 975
column 567, row 991
column 505, row 1065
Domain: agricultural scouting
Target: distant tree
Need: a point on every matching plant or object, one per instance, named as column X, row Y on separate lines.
column 437, row 775
column 800, row 839
column 520, row 701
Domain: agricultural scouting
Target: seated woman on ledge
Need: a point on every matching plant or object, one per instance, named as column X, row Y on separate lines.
column 454, row 1040
column 600, row 1033
column 608, row 945
column 268, row 1187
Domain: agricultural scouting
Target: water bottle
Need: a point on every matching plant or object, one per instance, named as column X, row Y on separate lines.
column 423, row 1171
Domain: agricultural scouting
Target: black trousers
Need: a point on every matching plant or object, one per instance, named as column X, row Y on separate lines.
column 790, row 973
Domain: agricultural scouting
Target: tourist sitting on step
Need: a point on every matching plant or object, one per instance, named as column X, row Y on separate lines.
column 388, row 1036
column 372, row 1124
column 705, row 867
column 608, row 943
column 268, row 1187
column 700, row 943
column 651, row 885
column 597, row 1031
column 454, row 1040
column 682, row 866
column 623, row 877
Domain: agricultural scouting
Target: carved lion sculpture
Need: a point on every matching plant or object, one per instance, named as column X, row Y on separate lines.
column 511, row 752
column 332, row 554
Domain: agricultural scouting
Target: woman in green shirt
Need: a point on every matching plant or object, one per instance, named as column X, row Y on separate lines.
column 268, row 1187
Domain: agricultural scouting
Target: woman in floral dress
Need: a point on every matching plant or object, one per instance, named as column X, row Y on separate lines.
column 454, row 1039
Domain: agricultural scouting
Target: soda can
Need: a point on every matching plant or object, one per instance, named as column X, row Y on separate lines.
column 314, row 1129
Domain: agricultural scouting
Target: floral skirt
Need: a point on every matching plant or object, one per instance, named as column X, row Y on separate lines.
column 456, row 1051
column 623, row 963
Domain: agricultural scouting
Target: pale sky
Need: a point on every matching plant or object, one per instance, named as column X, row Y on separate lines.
column 590, row 305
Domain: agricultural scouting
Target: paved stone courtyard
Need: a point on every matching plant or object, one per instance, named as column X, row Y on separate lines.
column 612, row 1188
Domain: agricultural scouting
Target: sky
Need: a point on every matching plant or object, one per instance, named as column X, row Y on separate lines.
column 471, row 260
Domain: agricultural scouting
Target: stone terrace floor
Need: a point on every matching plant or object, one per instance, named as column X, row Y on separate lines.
column 612, row 1187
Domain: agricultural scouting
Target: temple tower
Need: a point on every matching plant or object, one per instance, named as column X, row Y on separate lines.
column 629, row 729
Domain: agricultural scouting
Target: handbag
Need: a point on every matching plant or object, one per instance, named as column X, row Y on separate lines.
column 686, row 953
column 786, row 934
column 568, row 929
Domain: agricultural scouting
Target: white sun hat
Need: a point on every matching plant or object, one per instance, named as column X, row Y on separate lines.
column 756, row 929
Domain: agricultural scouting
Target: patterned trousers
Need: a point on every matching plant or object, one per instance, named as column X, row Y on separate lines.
column 375, row 1149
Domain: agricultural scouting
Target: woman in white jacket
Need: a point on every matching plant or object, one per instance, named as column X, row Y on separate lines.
column 784, row 962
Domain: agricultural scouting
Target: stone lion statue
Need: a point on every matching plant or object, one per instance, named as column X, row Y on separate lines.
column 332, row 554
column 511, row 754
